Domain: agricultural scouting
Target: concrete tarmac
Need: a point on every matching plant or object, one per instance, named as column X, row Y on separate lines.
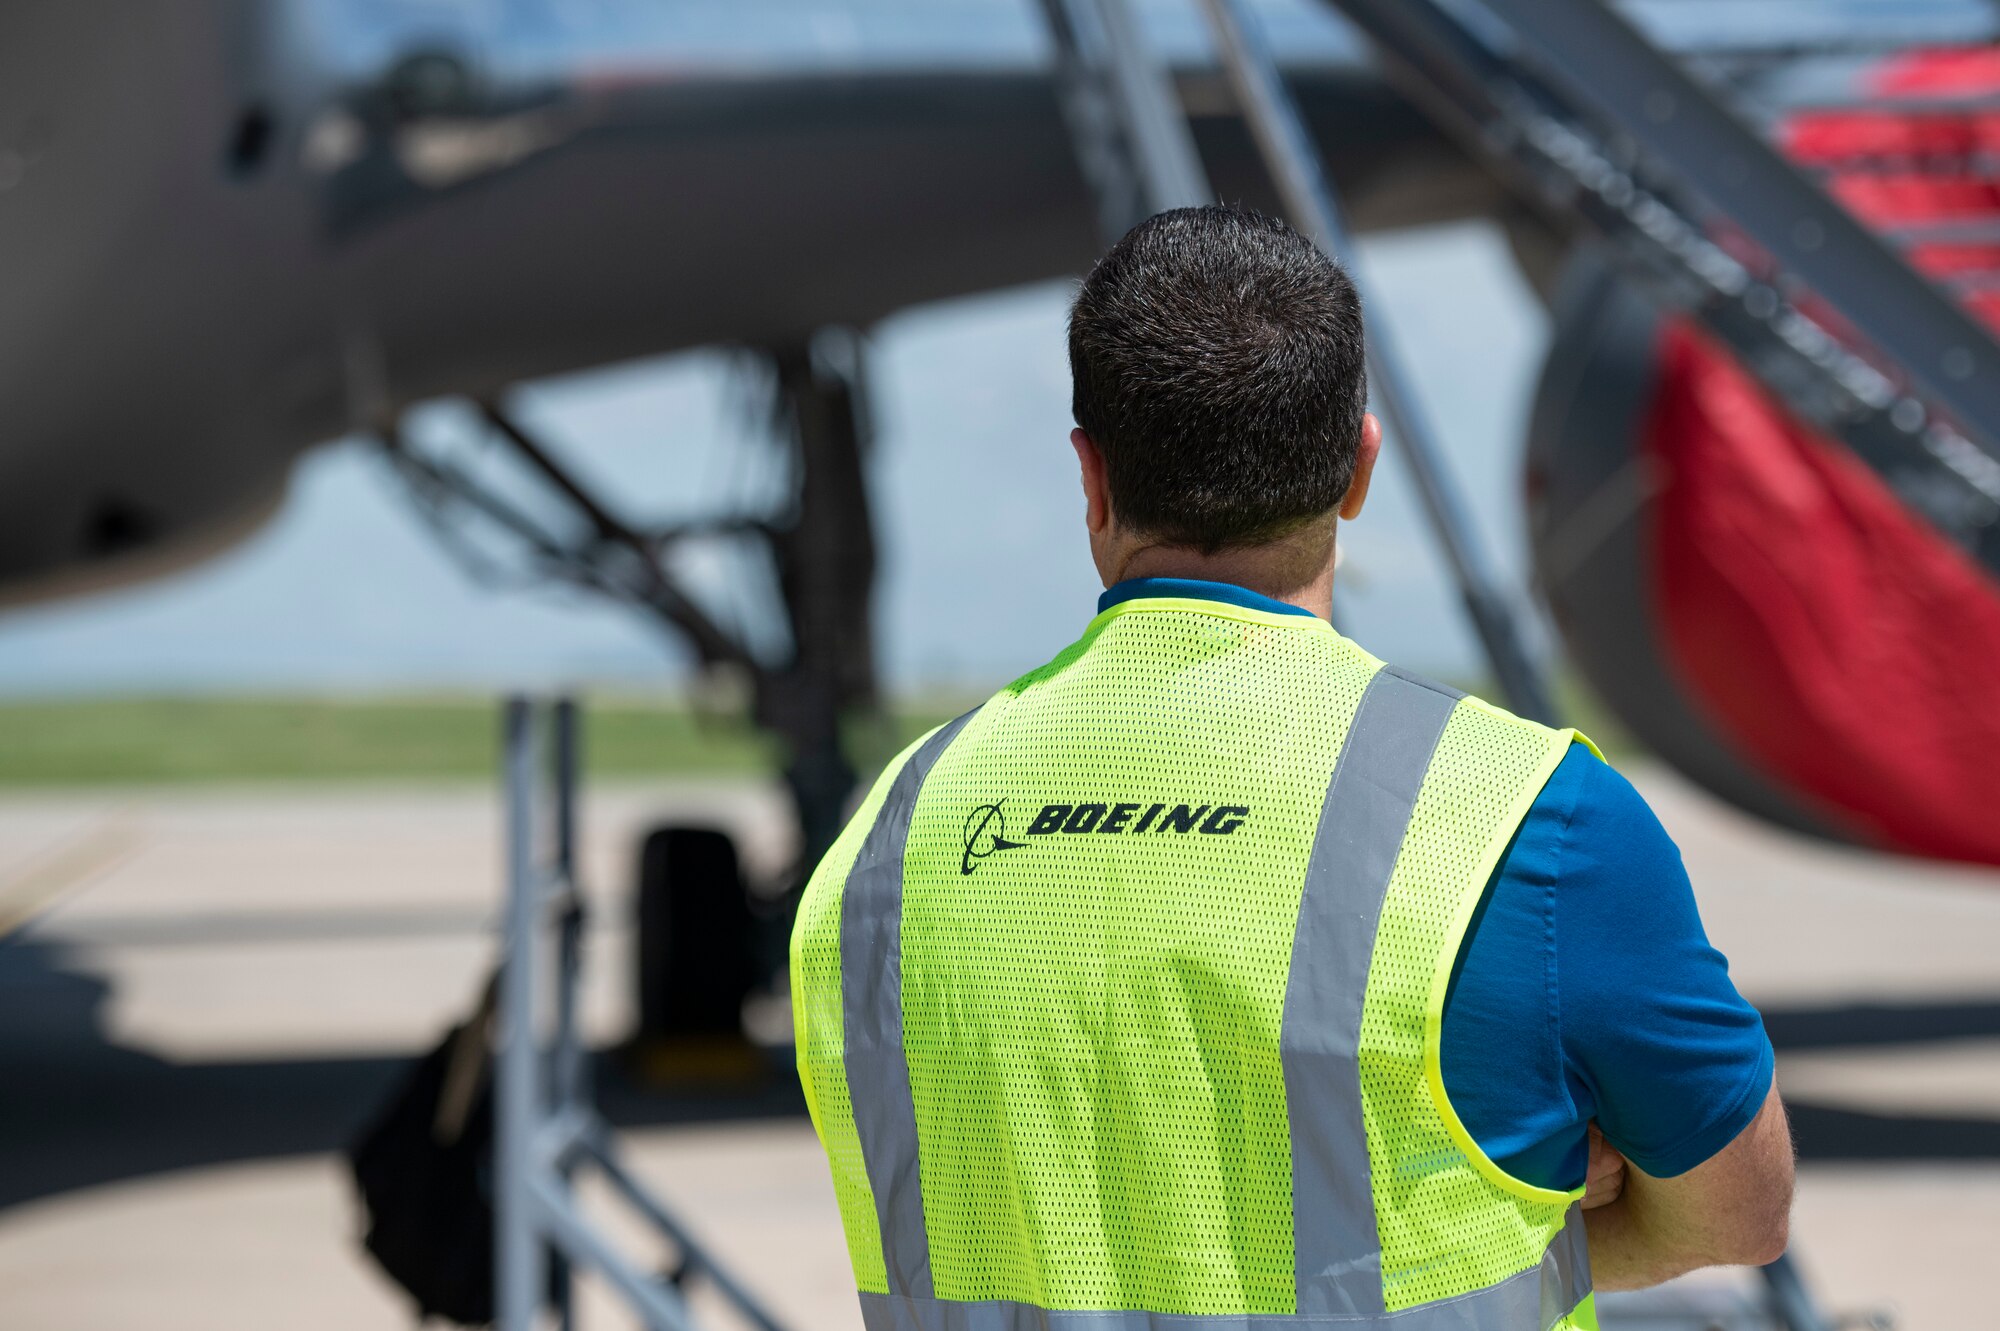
column 215, row 988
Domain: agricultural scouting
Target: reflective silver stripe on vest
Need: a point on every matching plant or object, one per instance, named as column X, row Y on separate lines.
column 871, row 1000
column 1535, row 1300
column 1566, row 1268
column 1337, row 1255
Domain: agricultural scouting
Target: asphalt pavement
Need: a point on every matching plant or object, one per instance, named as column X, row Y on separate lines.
column 215, row 988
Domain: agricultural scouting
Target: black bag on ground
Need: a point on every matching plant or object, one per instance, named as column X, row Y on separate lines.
column 424, row 1169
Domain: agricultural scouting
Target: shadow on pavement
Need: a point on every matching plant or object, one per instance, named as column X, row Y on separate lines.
column 78, row 1111
column 1831, row 1132
column 1856, row 1025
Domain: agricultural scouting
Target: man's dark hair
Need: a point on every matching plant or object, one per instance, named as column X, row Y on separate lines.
column 1217, row 363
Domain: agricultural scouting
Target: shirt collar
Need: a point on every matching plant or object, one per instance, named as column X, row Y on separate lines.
column 1133, row 589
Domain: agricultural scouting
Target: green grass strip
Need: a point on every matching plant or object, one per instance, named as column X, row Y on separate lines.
column 174, row 740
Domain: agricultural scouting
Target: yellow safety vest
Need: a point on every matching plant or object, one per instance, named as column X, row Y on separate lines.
column 1118, row 1002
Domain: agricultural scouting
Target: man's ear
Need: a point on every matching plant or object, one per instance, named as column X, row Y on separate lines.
column 1096, row 482
column 1364, row 467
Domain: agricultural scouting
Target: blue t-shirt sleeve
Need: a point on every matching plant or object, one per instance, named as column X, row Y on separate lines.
column 1656, row 1041
column 1587, row 989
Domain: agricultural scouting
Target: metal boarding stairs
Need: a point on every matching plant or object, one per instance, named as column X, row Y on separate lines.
column 1571, row 103
column 1591, row 122
column 547, row 1128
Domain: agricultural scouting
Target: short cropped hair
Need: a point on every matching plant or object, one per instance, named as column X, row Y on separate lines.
column 1216, row 358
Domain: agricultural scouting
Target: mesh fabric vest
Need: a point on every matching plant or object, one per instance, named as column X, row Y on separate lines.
column 1120, row 998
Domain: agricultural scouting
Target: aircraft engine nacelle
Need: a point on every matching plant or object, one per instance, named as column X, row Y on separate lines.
column 1749, row 598
column 1770, row 614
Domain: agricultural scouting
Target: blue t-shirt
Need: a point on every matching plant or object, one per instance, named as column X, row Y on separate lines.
column 1586, row 988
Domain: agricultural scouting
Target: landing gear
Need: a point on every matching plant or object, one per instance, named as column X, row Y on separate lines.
column 706, row 939
column 697, row 960
column 825, row 557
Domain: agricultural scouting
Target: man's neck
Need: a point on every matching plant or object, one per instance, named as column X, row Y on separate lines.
column 1254, row 569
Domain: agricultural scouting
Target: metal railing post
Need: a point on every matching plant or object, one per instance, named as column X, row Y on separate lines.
column 517, row 1245
column 567, row 1060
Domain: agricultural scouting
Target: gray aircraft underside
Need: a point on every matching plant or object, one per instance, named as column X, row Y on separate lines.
column 219, row 248
column 229, row 231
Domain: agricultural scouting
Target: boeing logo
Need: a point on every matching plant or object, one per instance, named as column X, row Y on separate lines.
column 986, row 825
column 985, row 834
